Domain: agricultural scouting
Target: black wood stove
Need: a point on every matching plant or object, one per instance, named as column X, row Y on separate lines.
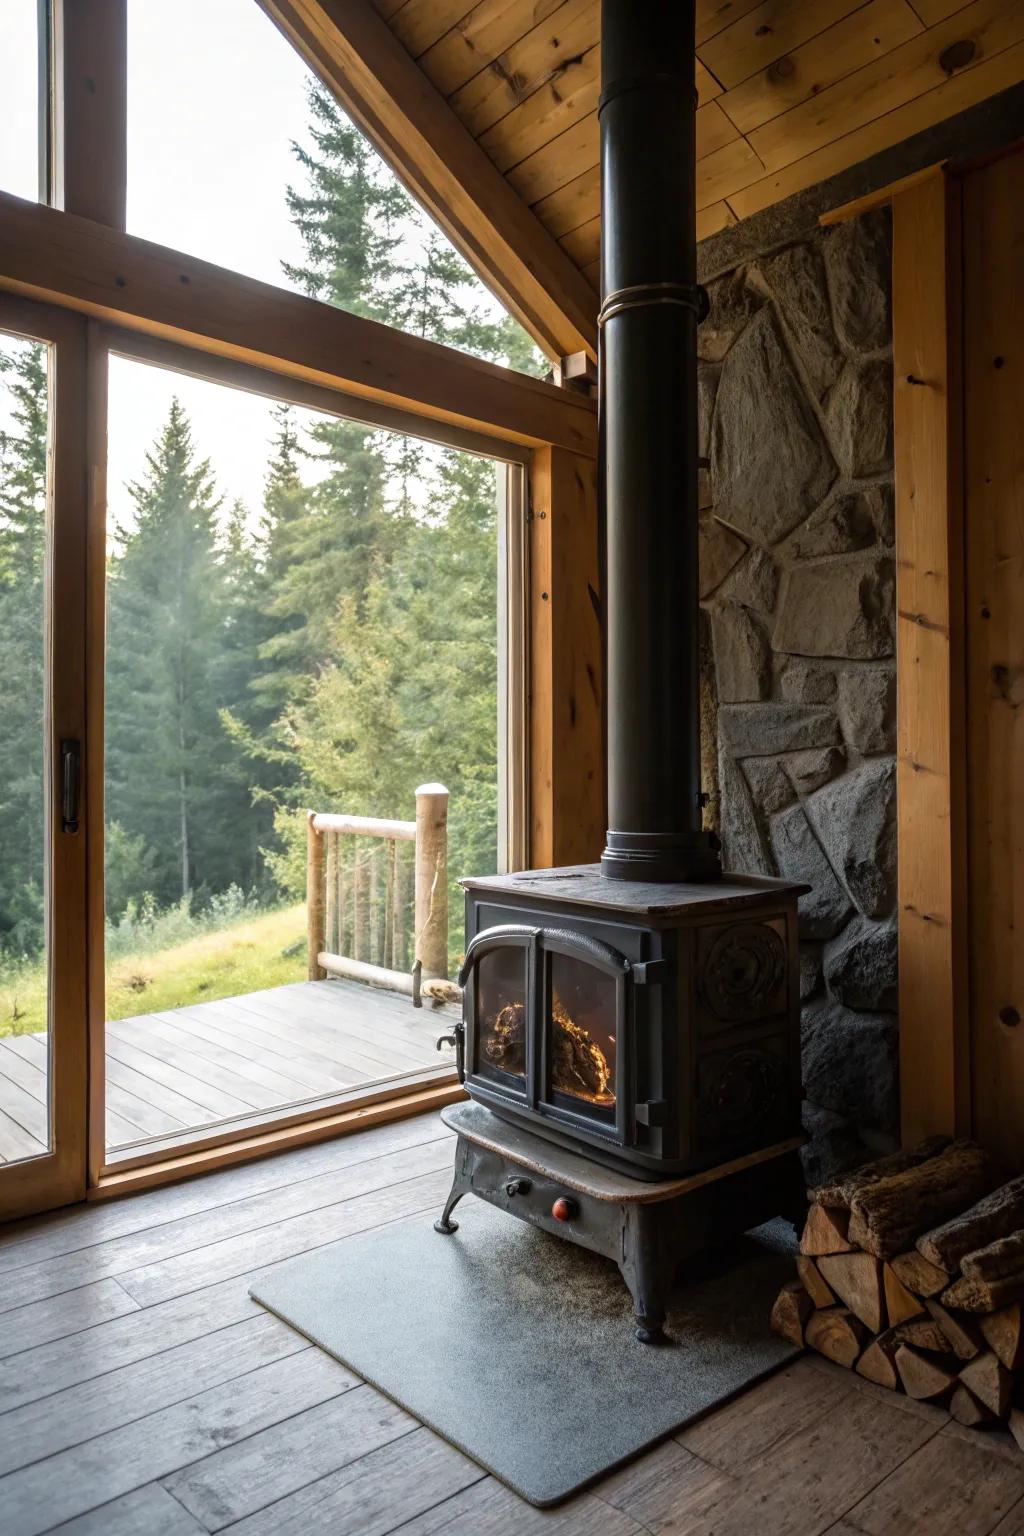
column 640, row 1015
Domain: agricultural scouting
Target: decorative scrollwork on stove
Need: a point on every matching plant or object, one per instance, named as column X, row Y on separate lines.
column 743, row 972
column 744, row 1092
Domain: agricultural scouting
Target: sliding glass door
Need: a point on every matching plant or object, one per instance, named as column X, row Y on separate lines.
column 43, row 541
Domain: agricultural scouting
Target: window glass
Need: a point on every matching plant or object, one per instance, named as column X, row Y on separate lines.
column 238, row 155
column 19, row 97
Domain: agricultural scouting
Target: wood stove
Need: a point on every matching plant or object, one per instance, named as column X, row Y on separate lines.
column 643, row 1012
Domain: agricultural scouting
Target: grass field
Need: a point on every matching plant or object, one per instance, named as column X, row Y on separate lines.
column 267, row 950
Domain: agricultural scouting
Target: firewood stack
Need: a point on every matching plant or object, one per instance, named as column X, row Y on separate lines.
column 911, row 1272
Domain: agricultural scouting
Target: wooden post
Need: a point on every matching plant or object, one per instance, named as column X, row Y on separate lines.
column 390, row 849
column 432, row 879
column 401, row 961
column 331, row 920
column 342, row 918
column 374, row 955
column 360, row 902
column 314, row 899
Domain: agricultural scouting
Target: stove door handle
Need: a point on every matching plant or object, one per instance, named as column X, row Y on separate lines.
column 457, row 1039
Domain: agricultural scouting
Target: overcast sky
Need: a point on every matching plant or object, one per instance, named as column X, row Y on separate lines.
column 216, row 96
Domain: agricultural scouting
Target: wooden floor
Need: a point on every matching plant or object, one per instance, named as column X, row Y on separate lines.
column 142, row 1393
column 226, row 1061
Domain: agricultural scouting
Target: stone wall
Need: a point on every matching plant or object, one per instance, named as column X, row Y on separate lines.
column 797, row 586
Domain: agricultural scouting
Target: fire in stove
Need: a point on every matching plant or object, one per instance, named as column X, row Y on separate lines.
column 578, row 1065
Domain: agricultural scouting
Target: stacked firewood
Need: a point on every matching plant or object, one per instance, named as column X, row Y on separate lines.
column 911, row 1272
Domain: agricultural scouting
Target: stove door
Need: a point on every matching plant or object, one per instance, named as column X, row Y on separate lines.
column 499, row 988
column 584, row 1065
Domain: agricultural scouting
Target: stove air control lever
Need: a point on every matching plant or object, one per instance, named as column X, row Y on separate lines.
column 565, row 1209
column 515, row 1187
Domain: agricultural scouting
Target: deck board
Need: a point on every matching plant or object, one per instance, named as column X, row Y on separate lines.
column 144, row 1393
column 189, row 1068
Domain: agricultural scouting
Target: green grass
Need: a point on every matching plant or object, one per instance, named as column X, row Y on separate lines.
column 267, row 950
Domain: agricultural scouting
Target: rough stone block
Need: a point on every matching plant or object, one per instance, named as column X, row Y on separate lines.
column 861, row 965
column 707, row 389
column 867, row 708
column 834, row 1146
column 810, row 970
column 742, row 658
column 806, row 684
column 855, row 819
column 800, row 856
column 718, row 551
column 754, row 582
column 858, row 261
column 769, row 785
column 743, row 850
column 843, row 608
column 810, row 770
column 860, row 419
column 796, row 279
column 844, row 524
column 732, row 303
column 770, row 464
column 763, row 730
column 851, row 1064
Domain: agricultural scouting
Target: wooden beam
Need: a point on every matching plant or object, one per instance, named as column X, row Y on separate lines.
column 99, row 271
column 90, row 170
column 566, row 714
column 931, row 754
column 353, row 51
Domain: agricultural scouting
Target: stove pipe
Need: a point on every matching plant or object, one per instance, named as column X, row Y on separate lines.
column 649, row 313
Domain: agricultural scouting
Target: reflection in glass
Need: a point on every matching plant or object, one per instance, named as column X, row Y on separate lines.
column 24, row 989
column 582, row 1025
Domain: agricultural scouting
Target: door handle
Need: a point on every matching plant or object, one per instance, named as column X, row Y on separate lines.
column 70, row 783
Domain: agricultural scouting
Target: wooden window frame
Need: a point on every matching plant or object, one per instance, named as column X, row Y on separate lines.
column 112, row 290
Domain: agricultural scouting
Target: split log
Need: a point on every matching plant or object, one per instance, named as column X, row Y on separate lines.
column 813, row 1282
column 878, row 1362
column 838, row 1335
column 965, row 1339
column 925, row 1334
column 972, row 1295
column 900, row 1304
column 839, row 1194
column 996, row 1261
column 991, row 1384
column 792, row 1308
column 1016, row 1425
column 997, row 1216
column 825, row 1233
column 918, row 1275
column 856, row 1279
column 966, row 1409
column 924, row 1377
column 1004, row 1334
column 887, row 1217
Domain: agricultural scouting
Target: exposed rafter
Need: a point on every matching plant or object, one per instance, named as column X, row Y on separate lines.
column 365, row 66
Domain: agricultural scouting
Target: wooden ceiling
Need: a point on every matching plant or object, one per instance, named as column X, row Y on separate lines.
column 791, row 91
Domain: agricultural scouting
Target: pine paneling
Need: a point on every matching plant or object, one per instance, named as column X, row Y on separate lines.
column 790, row 91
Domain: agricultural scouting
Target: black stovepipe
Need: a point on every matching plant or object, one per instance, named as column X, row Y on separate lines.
column 649, row 316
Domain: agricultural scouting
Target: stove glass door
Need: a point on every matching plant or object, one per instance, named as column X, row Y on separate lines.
column 501, row 1013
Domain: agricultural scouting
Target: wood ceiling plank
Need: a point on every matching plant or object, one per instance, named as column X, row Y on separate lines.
column 714, row 129
column 419, row 23
column 931, row 11
column 571, row 205
column 889, row 83
column 387, row 8
column 955, row 95
column 725, row 172
column 869, row 33
column 510, row 78
column 391, row 100
column 715, row 217
column 469, row 46
column 569, row 95
column 583, row 243
column 707, row 86
column 560, row 161
column 713, row 16
column 592, row 273
column 774, row 28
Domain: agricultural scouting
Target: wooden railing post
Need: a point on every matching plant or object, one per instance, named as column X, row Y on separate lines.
column 314, row 899
column 432, row 879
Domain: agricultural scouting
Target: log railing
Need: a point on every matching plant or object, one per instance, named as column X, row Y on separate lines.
column 358, row 882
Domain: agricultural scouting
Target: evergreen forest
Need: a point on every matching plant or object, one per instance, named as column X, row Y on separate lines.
column 333, row 647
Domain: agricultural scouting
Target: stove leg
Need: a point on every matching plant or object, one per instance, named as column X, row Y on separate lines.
column 460, row 1187
column 648, row 1272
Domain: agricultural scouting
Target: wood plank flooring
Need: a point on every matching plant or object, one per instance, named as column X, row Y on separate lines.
column 142, row 1393
column 227, row 1060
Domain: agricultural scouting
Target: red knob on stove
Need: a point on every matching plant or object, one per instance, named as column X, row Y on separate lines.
column 565, row 1209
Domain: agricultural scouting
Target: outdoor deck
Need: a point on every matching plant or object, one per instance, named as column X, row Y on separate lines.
column 226, row 1061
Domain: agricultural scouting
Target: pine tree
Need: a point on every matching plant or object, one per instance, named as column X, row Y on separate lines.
column 23, row 381
column 170, row 765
